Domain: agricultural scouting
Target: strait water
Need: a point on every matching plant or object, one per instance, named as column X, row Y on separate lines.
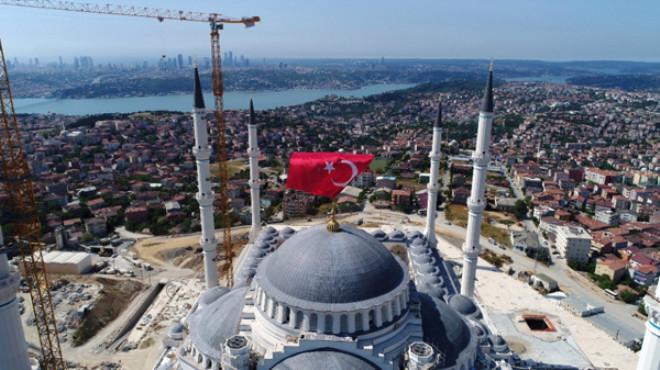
column 183, row 102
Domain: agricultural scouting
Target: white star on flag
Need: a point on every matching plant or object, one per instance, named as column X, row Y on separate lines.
column 329, row 167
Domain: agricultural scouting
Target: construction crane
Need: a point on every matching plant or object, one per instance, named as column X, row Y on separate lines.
column 17, row 175
column 26, row 226
column 216, row 21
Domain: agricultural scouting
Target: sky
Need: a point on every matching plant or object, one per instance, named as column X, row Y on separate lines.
column 482, row 29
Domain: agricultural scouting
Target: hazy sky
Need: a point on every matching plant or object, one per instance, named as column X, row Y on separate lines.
column 520, row 29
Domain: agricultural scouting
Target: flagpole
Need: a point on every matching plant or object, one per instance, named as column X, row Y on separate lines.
column 333, row 226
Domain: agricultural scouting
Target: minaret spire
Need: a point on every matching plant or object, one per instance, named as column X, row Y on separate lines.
column 199, row 97
column 487, row 104
column 205, row 196
column 477, row 202
column 432, row 187
column 255, row 182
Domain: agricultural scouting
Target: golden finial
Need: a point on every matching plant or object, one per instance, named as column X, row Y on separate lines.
column 333, row 226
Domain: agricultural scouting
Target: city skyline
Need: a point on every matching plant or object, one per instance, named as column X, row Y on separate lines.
column 551, row 31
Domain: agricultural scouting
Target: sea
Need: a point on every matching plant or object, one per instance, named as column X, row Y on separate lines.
column 183, row 102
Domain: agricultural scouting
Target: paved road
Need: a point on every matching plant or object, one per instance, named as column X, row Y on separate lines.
column 618, row 318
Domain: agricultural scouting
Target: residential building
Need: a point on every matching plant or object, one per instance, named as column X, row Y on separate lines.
column 574, row 243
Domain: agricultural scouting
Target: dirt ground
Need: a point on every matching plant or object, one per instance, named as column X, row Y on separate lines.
column 114, row 298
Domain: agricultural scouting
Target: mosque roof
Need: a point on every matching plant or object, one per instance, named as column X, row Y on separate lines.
column 212, row 325
column 316, row 265
column 324, row 359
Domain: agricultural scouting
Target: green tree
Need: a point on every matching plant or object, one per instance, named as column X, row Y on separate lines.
column 520, row 209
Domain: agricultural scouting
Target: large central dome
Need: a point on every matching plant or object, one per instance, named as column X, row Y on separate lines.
column 317, row 265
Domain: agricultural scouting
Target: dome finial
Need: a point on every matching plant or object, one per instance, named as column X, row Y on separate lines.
column 333, row 226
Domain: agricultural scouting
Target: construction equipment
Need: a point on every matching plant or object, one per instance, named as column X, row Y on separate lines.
column 26, row 226
column 216, row 21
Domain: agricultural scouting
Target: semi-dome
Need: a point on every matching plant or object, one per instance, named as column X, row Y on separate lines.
column 316, row 265
column 462, row 304
column 212, row 325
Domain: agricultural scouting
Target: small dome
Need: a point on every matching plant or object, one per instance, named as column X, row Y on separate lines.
column 271, row 231
column 397, row 235
column 434, row 290
column 175, row 329
column 287, row 232
column 420, row 249
column 497, row 340
column 418, row 242
column 379, row 235
column 316, row 265
column 427, row 268
column 257, row 252
column 462, row 304
column 421, row 259
column 415, row 235
column 432, row 279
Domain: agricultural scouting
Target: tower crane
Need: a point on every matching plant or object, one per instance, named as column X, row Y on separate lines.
column 216, row 22
column 16, row 172
column 27, row 229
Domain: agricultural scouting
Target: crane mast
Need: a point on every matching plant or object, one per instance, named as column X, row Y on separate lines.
column 218, row 94
column 17, row 181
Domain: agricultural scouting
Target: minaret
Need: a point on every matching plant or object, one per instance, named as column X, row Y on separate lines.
column 13, row 347
column 432, row 188
column 205, row 196
column 255, row 183
column 477, row 203
column 649, row 356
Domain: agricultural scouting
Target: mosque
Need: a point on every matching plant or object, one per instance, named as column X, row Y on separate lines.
column 336, row 296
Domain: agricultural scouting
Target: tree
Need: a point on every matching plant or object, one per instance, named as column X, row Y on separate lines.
column 520, row 209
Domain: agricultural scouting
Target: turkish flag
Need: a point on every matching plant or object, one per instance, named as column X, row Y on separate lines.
column 325, row 173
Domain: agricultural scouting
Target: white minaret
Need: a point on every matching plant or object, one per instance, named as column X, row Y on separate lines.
column 649, row 356
column 432, row 188
column 205, row 196
column 255, row 183
column 13, row 347
column 477, row 202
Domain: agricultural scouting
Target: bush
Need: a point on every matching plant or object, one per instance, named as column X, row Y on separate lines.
column 628, row 296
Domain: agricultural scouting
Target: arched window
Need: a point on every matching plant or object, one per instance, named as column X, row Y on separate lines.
column 313, row 322
column 299, row 319
column 343, row 323
column 328, row 324
column 358, row 322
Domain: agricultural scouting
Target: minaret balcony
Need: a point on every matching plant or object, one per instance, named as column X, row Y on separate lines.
column 476, row 206
column 202, row 153
column 205, row 199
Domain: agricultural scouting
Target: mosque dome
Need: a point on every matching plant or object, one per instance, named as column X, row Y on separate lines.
column 324, row 359
column 316, row 265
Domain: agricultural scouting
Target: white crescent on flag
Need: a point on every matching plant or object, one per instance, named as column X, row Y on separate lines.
column 354, row 172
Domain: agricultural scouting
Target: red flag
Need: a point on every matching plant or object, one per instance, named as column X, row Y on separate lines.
column 325, row 174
